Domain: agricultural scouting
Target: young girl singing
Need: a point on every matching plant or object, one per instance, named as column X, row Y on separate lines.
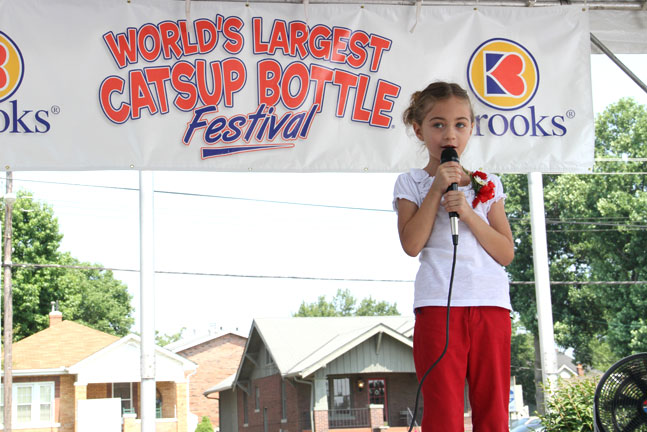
column 479, row 328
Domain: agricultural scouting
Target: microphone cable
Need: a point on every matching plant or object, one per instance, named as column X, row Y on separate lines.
column 422, row 380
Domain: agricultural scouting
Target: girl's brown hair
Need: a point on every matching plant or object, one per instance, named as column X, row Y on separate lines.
column 422, row 101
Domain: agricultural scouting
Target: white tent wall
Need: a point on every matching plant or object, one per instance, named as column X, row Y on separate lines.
column 622, row 31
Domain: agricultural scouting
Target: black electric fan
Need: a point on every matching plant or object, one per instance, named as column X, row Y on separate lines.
column 620, row 403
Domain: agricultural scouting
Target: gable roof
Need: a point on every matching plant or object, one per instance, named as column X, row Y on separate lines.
column 185, row 344
column 120, row 362
column 565, row 363
column 61, row 345
column 300, row 346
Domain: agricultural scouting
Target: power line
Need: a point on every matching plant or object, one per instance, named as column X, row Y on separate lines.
column 600, row 221
column 192, row 194
column 235, row 275
column 272, row 201
column 620, row 159
column 618, row 173
column 582, row 282
column 558, row 221
column 586, row 230
column 78, row 185
column 232, row 275
column 592, row 230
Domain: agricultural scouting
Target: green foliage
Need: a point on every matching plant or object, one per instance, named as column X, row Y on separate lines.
column 344, row 304
column 90, row 297
column 164, row 339
column 371, row 307
column 204, row 425
column 522, row 362
column 595, row 232
column 569, row 408
column 603, row 357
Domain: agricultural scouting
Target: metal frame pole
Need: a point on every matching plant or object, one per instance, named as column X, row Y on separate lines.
column 147, row 301
column 617, row 61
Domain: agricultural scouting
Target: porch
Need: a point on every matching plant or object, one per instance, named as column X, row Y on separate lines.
column 119, row 403
column 369, row 402
column 369, row 419
column 359, row 420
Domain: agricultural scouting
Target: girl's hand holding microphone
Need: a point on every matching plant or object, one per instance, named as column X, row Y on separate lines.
column 447, row 173
column 455, row 201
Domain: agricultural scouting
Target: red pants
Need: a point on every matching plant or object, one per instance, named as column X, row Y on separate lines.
column 479, row 352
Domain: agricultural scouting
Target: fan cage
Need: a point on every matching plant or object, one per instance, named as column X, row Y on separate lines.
column 620, row 401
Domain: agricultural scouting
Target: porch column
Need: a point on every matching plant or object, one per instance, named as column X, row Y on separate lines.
column 321, row 421
column 376, row 414
column 320, row 403
column 182, row 411
column 80, row 393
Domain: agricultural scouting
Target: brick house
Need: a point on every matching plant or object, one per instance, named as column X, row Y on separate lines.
column 217, row 356
column 70, row 378
column 333, row 373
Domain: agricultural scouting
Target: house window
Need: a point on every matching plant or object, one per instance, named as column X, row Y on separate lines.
column 257, row 400
column 46, row 403
column 268, row 357
column 341, row 393
column 34, row 403
column 245, row 409
column 265, row 422
column 23, row 404
column 158, row 404
column 125, row 392
column 284, row 402
column 377, row 394
column 377, row 391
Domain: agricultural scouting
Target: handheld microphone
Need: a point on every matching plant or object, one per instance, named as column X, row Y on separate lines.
column 449, row 155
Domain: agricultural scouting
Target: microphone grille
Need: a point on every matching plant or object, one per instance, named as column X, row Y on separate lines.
column 449, row 155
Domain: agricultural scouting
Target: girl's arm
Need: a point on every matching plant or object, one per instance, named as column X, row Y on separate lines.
column 415, row 224
column 496, row 238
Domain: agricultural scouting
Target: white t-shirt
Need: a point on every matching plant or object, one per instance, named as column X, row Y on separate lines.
column 478, row 279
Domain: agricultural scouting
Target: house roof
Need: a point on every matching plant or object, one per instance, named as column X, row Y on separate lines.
column 61, row 345
column 299, row 346
column 226, row 384
column 121, row 362
column 187, row 343
column 565, row 363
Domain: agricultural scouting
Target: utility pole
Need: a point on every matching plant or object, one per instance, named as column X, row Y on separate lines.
column 9, row 199
column 548, row 354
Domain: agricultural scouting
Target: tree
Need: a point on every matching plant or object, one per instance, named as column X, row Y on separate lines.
column 522, row 362
column 344, row 304
column 596, row 232
column 165, row 339
column 204, row 425
column 88, row 296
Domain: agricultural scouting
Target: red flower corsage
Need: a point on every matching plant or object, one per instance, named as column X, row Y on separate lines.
column 483, row 189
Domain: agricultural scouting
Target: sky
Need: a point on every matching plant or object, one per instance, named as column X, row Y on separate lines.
column 230, row 247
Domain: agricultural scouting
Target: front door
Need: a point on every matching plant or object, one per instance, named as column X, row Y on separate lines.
column 377, row 394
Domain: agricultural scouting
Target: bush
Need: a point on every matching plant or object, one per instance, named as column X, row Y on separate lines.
column 204, row 425
column 570, row 407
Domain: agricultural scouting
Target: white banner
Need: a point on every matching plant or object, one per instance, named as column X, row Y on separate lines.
column 95, row 84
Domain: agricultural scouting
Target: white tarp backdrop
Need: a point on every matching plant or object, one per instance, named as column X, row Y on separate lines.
column 88, row 85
